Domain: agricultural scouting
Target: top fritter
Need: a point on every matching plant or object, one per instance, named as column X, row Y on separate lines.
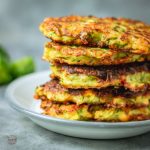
column 114, row 33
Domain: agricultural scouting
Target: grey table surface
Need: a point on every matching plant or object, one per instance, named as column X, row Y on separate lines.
column 19, row 33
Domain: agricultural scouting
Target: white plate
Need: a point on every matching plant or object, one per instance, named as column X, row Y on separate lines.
column 20, row 94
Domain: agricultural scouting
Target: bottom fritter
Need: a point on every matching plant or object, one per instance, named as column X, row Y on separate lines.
column 94, row 112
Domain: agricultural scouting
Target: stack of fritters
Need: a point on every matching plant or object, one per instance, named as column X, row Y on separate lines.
column 100, row 69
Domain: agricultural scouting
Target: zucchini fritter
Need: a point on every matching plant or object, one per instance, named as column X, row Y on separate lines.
column 135, row 77
column 53, row 91
column 94, row 112
column 79, row 55
column 116, row 33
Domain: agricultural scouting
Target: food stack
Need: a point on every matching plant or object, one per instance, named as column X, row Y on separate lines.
column 100, row 69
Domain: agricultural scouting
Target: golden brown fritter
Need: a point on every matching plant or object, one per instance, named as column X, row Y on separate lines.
column 134, row 76
column 94, row 112
column 79, row 55
column 114, row 97
column 120, row 34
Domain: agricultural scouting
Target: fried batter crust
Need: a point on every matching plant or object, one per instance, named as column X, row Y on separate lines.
column 94, row 112
column 106, row 71
column 114, row 97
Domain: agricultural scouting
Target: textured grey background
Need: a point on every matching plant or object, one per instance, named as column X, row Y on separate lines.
column 19, row 20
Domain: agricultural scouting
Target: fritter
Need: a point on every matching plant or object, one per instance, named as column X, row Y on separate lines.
column 79, row 55
column 94, row 112
column 135, row 76
column 110, row 97
column 115, row 33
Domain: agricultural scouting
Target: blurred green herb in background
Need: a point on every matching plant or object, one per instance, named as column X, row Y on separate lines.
column 11, row 70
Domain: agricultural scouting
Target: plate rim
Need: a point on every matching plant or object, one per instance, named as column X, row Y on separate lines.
column 11, row 100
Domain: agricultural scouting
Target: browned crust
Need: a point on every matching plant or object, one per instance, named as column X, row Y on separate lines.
column 54, row 87
column 106, row 72
column 55, row 109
